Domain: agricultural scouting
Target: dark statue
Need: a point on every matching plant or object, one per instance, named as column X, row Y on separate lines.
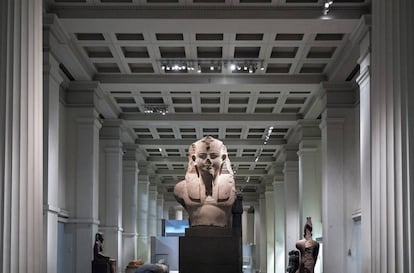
column 101, row 263
column 308, row 248
column 293, row 261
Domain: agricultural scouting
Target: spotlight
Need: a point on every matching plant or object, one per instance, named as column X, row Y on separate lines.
column 251, row 69
column 326, row 6
column 232, row 67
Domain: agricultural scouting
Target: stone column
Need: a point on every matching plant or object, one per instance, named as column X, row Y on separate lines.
column 142, row 219
column 291, row 190
column 83, row 170
column 270, row 225
column 247, row 225
column 363, row 80
column 392, row 136
column 310, row 176
column 21, row 136
column 263, row 233
column 340, row 99
column 160, row 213
column 130, row 205
column 279, row 196
column 178, row 212
column 152, row 211
column 52, row 156
column 110, row 201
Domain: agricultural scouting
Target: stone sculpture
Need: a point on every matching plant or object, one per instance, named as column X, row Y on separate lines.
column 293, row 261
column 208, row 191
column 308, row 248
column 101, row 263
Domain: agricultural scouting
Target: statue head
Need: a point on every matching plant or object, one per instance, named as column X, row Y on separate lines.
column 99, row 237
column 208, row 155
column 308, row 226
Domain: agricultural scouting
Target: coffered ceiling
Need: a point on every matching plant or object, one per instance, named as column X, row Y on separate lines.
column 244, row 71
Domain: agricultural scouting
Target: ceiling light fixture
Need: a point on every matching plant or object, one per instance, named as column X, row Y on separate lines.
column 156, row 109
column 213, row 65
column 326, row 6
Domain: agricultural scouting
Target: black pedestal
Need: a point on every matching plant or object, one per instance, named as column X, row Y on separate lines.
column 210, row 250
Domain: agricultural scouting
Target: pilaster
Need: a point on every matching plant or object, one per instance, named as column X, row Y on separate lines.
column 340, row 99
column 143, row 211
column 310, row 175
column 160, row 213
column 152, row 211
column 130, row 205
column 364, row 81
column 83, row 170
column 52, row 185
column 262, row 233
column 291, row 190
column 392, row 135
column 178, row 212
column 21, row 137
column 110, row 190
column 270, row 224
column 247, row 226
column 279, row 196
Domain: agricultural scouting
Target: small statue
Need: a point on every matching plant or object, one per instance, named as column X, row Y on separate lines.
column 308, row 248
column 208, row 191
column 98, row 248
column 101, row 263
column 293, row 261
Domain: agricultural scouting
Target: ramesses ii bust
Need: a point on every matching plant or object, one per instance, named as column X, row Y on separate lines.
column 208, row 191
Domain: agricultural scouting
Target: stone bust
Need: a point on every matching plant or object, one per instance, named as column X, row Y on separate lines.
column 208, row 191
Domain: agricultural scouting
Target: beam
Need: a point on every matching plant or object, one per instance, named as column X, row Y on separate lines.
column 237, row 143
column 181, row 159
column 202, row 80
column 239, row 172
column 205, row 12
column 136, row 120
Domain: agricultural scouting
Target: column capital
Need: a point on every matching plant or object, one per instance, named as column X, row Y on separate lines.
column 277, row 183
column 51, row 67
column 276, row 170
column 291, row 166
column 334, row 121
column 143, row 179
column 268, row 183
column 288, row 152
column 309, row 145
column 111, row 129
column 153, row 188
column 362, row 29
column 305, row 129
column 144, row 168
column 89, row 94
column 86, row 121
column 339, row 94
column 130, row 157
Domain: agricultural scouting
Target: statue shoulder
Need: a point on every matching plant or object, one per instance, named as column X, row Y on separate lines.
column 300, row 244
column 180, row 188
